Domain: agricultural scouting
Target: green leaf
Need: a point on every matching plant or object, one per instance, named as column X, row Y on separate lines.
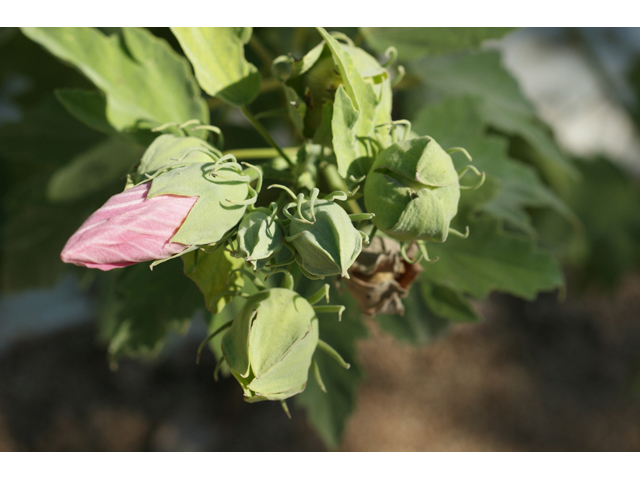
column 491, row 259
column 145, row 82
column 607, row 200
column 457, row 122
column 501, row 105
column 88, row 106
column 217, row 56
column 447, row 303
column 415, row 42
column 142, row 307
column 418, row 325
column 343, row 125
column 329, row 412
column 210, row 271
column 92, row 170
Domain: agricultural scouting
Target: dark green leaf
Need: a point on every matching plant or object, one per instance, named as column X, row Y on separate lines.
column 415, row 42
column 92, row 170
column 447, row 303
column 418, row 325
column 142, row 307
column 88, row 106
column 328, row 412
column 491, row 259
column 457, row 122
column 501, row 105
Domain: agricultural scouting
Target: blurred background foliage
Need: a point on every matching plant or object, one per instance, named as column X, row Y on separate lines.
column 547, row 207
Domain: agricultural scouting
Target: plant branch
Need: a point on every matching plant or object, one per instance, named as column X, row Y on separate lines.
column 265, row 134
column 253, row 153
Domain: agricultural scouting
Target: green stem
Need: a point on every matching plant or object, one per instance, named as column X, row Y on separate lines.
column 336, row 182
column 253, row 153
column 263, row 131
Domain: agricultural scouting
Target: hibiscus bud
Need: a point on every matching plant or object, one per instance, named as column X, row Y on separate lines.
column 259, row 237
column 413, row 189
column 129, row 228
column 270, row 345
column 325, row 240
column 380, row 277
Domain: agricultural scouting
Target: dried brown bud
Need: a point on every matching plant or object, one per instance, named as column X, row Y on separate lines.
column 380, row 277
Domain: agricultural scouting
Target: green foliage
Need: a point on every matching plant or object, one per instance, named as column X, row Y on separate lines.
column 328, row 412
column 142, row 307
column 500, row 104
column 92, row 170
column 418, row 325
column 211, row 273
column 416, row 42
column 146, row 84
column 338, row 98
column 217, row 56
column 492, row 259
column 517, row 187
column 607, row 246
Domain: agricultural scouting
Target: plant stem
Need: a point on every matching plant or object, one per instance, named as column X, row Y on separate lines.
column 263, row 131
column 253, row 153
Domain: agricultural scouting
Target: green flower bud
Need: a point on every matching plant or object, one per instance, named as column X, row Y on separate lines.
column 310, row 85
column 189, row 167
column 259, row 237
column 413, row 189
column 325, row 240
column 270, row 345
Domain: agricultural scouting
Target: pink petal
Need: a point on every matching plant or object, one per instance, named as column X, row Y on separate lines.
column 129, row 229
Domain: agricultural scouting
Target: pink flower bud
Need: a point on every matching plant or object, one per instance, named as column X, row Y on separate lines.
column 128, row 229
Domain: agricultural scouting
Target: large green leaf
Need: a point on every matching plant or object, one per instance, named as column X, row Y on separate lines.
column 92, row 170
column 145, row 82
column 415, row 42
column 501, row 105
column 457, row 122
column 210, row 271
column 142, row 307
column 329, row 412
column 217, row 56
column 491, row 259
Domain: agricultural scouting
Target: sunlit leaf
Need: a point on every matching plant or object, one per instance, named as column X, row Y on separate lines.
column 145, row 82
column 217, row 56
